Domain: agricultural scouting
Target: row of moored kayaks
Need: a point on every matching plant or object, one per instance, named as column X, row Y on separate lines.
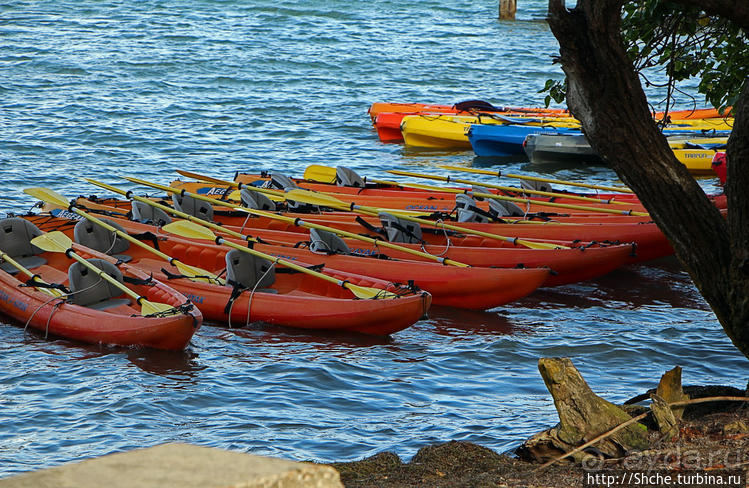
column 542, row 135
column 328, row 251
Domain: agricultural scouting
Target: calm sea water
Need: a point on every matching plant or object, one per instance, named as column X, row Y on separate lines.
column 114, row 88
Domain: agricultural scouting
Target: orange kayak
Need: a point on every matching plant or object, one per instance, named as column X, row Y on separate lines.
column 388, row 124
column 582, row 261
column 445, row 202
column 650, row 241
column 115, row 319
column 476, row 288
column 464, row 107
column 380, row 107
column 289, row 299
column 373, row 189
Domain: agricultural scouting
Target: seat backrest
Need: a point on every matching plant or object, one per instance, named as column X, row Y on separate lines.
column 502, row 208
column 467, row 210
column 193, row 206
column 536, row 185
column 15, row 237
column 399, row 230
column 249, row 271
column 281, row 181
column 256, row 200
column 143, row 212
column 100, row 239
column 348, row 177
column 326, row 242
column 87, row 287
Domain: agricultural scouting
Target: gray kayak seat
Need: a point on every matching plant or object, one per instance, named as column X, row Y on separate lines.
column 96, row 237
column 323, row 241
column 535, row 185
column 502, row 208
column 193, row 206
column 256, row 200
column 248, row 271
column 15, row 240
column 348, row 177
column 281, row 182
column 467, row 210
column 88, row 289
column 145, row 213
column 399, row 230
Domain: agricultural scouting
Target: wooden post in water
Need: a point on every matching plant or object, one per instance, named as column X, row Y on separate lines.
column 507, row 9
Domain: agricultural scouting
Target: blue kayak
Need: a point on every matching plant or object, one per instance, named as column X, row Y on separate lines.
column 507, row 140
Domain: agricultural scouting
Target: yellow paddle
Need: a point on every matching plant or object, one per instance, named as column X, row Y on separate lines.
column 499, row 174
column 34, row 277
column 327, row 200
column 301, row 223
column 297, row 222
column 192, row 230
column 192, row 272
column 58, row 242
column 525, row 200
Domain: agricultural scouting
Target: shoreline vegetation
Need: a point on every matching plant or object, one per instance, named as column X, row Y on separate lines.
column 694, row 430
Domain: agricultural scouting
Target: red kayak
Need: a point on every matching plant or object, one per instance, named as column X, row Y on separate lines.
column 289, row 299
column 582, row 261
column 650, row 241
column 92, row 312
column 469, row 288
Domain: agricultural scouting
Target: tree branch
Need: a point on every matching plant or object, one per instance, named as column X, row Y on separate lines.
column 735, row 10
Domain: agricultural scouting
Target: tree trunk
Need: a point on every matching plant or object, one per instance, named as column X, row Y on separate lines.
column 606, row 95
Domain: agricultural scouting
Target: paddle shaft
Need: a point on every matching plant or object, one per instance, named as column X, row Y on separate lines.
column 367, row 210
column 299, row 223
column 34, row 277
column 499, row 174
column 525, row 200
column 377, row 242
column 220, row 240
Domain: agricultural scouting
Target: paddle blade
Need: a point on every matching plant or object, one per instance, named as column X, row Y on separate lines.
column 53, row 242
column 190, row 230
column 319, row 173
column 48, row 196
column 198, row 274
column 369, row 293
column 320, row 199
column 153, row 308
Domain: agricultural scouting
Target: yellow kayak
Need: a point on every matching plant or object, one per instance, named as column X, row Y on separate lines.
column 441, row 131
column 451, row 131
column 697, row 161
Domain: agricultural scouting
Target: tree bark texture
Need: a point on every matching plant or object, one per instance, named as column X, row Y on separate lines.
column 605, row 94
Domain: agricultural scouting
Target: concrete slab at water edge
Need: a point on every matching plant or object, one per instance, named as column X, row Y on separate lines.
column 180, row 465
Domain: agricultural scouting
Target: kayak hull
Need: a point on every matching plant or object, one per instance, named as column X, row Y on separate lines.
column 475, row 288
column 294, row 300
column 121, row 326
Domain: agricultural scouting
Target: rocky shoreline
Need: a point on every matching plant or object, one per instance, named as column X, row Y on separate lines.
column 711, row 437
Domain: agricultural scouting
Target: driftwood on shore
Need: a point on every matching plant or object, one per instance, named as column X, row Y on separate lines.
column 583, row 416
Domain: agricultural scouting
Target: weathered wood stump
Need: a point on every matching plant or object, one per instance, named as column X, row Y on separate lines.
column 583, row 416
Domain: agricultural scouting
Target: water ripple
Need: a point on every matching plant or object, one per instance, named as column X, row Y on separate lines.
column 107, row 89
